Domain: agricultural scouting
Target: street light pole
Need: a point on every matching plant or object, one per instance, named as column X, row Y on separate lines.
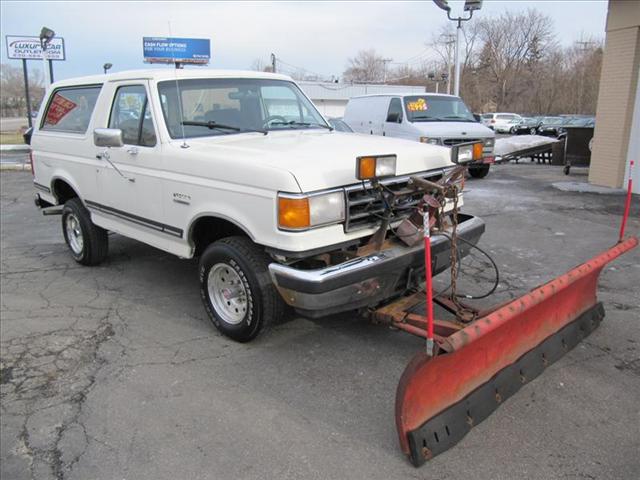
column 46, row 35
column 469, row 6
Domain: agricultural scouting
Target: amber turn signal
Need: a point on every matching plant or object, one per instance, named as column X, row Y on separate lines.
column 477, row 151
column 293, row 213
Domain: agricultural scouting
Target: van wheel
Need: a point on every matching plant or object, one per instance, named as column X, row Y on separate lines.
column 87, row 242
column 236, row 289
column 480, row 171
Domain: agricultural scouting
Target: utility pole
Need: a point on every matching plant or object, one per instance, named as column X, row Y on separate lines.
column 448, row 43
column 273, row 62
column 385, row 61
column 584, row 46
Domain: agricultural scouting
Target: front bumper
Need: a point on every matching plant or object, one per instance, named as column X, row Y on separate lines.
column 368, row 280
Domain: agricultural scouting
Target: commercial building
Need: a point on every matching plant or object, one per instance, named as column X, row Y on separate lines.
column 331, row 98
column 617, row 133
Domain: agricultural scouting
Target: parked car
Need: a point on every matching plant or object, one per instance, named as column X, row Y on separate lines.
column 240, row 170
column 527, row 126
column 434, row 119
column 500, row 122
column 552, row 126
column 339, row 125
column 586, row 121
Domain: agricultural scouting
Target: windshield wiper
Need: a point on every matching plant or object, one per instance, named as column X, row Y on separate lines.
column 211, row 125
column 303, row 124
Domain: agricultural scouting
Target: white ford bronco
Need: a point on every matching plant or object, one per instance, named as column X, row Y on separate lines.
column 240, row 170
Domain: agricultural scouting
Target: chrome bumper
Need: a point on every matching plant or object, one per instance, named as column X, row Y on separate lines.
column 366, row 281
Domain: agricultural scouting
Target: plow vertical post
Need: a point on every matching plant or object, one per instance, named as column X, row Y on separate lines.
column 428, row 281
column 627, row 204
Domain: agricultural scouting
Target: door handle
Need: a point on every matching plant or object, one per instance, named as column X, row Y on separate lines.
column 132, row 150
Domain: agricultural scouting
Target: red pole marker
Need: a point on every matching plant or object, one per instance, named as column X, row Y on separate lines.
column 428, row 281
column 627, row 205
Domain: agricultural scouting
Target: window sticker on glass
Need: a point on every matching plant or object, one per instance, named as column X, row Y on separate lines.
column 58, row 109
column 419, row 105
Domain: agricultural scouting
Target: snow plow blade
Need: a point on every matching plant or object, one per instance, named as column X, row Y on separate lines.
column 439, row 399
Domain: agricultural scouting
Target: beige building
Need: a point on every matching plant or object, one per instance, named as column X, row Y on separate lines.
column 617, row 134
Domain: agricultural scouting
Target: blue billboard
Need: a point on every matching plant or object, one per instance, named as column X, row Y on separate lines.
column 176, row 50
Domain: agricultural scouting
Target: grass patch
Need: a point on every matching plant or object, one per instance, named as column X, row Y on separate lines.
column 11, row 138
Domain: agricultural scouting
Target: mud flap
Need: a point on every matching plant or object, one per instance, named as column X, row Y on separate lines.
column 439, row 399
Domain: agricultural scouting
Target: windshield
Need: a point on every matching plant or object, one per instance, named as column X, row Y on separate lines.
column 425, row 108
column 233, row 105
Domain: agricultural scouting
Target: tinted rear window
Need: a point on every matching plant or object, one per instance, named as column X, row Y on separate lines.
column 70, row 109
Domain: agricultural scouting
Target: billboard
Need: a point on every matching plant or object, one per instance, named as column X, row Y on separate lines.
column 176, row 50
column 28, row 48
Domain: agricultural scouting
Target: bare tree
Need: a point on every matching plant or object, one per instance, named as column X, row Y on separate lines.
column 366, row 66
column 12, row 94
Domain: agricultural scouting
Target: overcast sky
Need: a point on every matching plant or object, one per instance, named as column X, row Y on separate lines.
column 318, row 36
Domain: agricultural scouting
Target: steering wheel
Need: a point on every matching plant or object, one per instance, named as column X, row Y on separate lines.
column 271, row 118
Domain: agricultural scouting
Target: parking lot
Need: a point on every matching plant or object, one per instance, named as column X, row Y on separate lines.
column 114, row 372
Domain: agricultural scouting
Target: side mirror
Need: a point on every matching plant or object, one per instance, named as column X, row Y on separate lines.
column 394, row 117
column 27, row 135
column 108, row 137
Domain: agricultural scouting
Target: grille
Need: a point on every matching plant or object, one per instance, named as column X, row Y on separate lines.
column 455, row 141
column 365, row 209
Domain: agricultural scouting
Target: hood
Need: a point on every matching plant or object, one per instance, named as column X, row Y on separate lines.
column 454, row 129
column 320, row 159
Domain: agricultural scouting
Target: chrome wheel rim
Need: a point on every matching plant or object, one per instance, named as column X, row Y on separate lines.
column 227, row 293
column 74, row 234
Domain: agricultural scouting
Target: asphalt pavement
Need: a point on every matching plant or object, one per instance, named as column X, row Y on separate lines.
column 114, row 372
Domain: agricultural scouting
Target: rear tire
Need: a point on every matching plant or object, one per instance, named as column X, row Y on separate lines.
column 480, row 171
column 87, row 242
column 236, row 288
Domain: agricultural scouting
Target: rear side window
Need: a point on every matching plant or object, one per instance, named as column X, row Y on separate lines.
column 70, row 109
column 130, row 113
column 505, row 117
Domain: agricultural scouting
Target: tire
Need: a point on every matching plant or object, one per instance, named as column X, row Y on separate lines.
column 234, row 271
column 479, row 171
column 87, row 242
column 533, row 131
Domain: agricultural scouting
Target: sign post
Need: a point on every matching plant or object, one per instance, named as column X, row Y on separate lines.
column 26, row 91
column 194, row 51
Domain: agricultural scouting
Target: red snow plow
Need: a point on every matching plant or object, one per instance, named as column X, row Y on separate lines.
column 479, row 364
column 476, row 360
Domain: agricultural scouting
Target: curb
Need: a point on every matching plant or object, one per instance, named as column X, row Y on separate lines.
column 15, row 167
column 15, row 148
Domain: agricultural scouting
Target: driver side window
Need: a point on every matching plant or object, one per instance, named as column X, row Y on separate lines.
column 394, row 115
column 131, row 114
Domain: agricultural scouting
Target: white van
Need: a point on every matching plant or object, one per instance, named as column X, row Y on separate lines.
column 432, row 118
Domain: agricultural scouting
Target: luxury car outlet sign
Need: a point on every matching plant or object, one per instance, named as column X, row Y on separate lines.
column 28, row 48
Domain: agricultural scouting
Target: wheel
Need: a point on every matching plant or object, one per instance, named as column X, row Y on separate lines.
column 533, row 131
column 236, row 289
column 480, row 171
column 88, row 243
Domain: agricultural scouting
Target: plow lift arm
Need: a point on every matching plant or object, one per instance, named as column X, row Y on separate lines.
column 473, row 363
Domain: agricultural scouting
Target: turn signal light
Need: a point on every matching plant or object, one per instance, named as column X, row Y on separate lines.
column 293, row 213
column 477, row 151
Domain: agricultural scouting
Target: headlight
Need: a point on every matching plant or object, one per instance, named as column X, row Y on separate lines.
column 489, row 142
column 302, row 211
column 430, row 141
column 371, row 167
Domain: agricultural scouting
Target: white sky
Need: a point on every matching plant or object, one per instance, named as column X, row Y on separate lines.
column 319, row 36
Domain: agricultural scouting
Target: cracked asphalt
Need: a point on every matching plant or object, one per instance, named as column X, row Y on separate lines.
column 114, row 372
